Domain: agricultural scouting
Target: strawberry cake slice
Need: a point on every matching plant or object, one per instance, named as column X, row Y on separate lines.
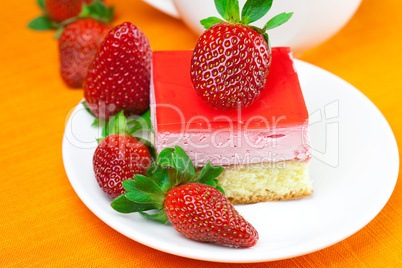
column 264, row 147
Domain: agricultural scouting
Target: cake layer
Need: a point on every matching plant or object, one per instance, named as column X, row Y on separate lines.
column 262, row 182
column 273, row 128
column 225, row 147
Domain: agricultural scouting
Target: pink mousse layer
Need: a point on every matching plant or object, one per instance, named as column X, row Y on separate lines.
column 274, row 128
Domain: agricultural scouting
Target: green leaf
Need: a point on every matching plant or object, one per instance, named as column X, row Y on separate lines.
column 209, row 174
column 105, row 132
column 209, row 22
column 278, row 20
column 220, row 189
column 97, row 10
column 123, row 205
column 41, row 4
column 141, row 123
column 160, row 176
column 41, row 23
column 179, row 160
column 259, row 30
column 228, row 9
column 116, row 125
column 95, row 123
column 183, row 165
column 160, row 216
column 84, row 103
column 165, row 157
column 221, row 8
column 266, row 38
column 145, row 198
column 143, row 184
column 254, row 10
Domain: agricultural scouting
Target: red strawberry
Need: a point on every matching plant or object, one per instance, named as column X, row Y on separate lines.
column 231, row 60
column 60, row 10
column 202, row 213
column 193, row 204
column 119, row 76
column 78, row 45
column 230, row 65
column 118, row 158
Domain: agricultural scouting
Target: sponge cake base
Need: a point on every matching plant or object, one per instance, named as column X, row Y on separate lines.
column 262, row 182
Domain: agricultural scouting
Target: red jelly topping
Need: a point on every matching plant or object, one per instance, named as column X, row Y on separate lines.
column 178, row 107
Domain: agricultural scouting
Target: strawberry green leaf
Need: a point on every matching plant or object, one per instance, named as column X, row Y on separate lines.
column 209, row 174
column 41, row 4
column 144, row 184
column 104, row 134
column 221, row 8
column 84, row 103
column 266, row 37
column 141, row 123
column 209, row 22
column 278, row 20
column 160, row 176
column 165, row 157
column 160, row 216
column 96, row 121
column 220, row 189
column 183, row 165
column 98, row 11
column 179, row 160
column 145, row 198
column 228, row 9
column 41, row 23
column 116, row 125
column 254, row 10
column 123, row 205
column 259, row 30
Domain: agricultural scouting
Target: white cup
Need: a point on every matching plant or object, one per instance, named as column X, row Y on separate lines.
column 313, row 21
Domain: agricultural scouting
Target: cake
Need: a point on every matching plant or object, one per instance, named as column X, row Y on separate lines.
column 264, row 148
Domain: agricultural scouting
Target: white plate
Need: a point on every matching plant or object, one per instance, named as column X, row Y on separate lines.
column 166, row 6
column 354, row 170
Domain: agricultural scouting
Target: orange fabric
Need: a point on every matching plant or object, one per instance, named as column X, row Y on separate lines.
column 43, row 223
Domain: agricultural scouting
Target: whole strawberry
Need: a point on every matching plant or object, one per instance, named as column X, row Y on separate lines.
column 78, row 45
column 61, row 10
column 195, row 205
column 202, row 213
column 231, row 60
column 118, row 158
column 118, row 79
